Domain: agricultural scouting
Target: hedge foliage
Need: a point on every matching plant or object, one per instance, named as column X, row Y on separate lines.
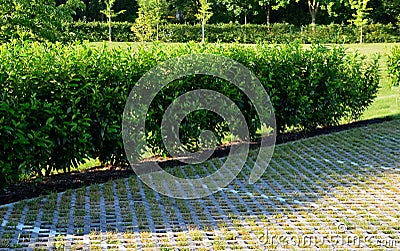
column 65, row 102
column 230, row 33
column 393, row 65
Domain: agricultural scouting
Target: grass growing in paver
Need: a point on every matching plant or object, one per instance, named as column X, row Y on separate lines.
column 340, row 186
column 315, row 187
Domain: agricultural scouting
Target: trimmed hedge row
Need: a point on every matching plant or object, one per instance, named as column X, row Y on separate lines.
column 230, row 33
column 60, row 103
column 393, row 65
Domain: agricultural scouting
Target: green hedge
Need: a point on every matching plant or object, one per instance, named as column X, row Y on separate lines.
column 393, row 65
column 228, row 33
column 65, row 102
column 98, row 31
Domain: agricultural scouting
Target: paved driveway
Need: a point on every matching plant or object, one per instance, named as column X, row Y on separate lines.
column 335, row 191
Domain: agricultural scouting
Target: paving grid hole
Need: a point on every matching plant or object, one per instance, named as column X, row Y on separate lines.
column 333, row 191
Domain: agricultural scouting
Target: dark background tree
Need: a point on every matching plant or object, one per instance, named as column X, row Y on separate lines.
column 93, row 8
column 235, row 11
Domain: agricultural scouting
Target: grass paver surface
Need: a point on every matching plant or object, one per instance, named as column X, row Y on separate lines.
column 340, row 190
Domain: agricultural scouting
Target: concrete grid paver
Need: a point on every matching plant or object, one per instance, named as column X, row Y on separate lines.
column 340, row 190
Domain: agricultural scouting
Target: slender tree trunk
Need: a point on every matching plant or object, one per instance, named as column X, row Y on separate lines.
column 101, row 8
column 268, row 15
column 361, row 34
column 313, row 20
column 245, row 19
column 202, row 32
column 157, row 31
column 313, row 7
column 109, row 28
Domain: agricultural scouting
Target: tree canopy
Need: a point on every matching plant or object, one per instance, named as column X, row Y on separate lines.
column 149, row 17
column 36, row 19
column 49, row 15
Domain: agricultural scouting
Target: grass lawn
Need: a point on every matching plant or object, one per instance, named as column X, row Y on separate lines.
column 387, row 102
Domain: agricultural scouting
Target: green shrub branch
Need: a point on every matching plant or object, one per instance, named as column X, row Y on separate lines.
column 65, row 102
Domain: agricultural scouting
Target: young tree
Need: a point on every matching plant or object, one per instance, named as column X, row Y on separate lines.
column 360, row 6
column 109, row 13
column 149, row 17
column 204, row 15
